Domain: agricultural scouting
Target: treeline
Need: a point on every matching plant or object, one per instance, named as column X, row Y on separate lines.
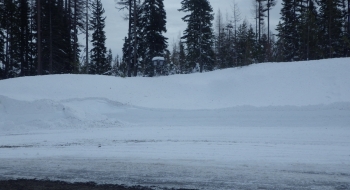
column 41, row 36
column 58, row 25
column 308, row 30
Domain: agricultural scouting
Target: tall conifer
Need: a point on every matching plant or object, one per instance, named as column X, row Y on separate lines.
column 153, row 24
column 331, row 28
column 198, row 35
column 99, row 64
column 287, row 32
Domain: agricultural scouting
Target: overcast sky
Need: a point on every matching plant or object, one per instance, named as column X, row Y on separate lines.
column 116, row 28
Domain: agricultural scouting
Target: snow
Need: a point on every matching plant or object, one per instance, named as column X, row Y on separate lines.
column 158, row 58
column 271, row 125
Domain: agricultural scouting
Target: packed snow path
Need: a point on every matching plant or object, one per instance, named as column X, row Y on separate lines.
column 230, row 129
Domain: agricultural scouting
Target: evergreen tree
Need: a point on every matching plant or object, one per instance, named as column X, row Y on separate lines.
column 262, row 49
column 346, row 26
column 153, row 25
column 11, row 32
column 348, row 23
column 331, row 29
column 198, row 35
column 109, row 59
column 220, row 40
column 24, row 37
column 287, row 33
column 309, row 32
column 230, row 45
column 132, row 47
column 179, row 57
column 225, row 40
column 33, row 52
column 123, row 68
column 246, row 45
column 175, row 58
column 127, row 56
column 261, row 15
column 182, row 58
column 56, row 54
column 269, row 5
column 236, row 18
column 87, row 8
column 99, row 64
column 78, row 24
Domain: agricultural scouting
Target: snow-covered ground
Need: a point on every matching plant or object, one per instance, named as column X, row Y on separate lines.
column 265, row 126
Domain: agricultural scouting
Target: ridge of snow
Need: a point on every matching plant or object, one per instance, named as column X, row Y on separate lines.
column 259, row 85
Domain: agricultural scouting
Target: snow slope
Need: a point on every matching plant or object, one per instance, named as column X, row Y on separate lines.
column 271, row 125
column 268, row 84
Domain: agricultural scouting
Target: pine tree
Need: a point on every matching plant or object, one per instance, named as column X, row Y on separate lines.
column 182, row 58
column 245, row 44
column 309, row 32
column 261, row 15
column 346, row 36
column 56, row 48
column 230, row 45
column 198, row 35
column 127, row 56
column 123, row 68
column 87, row 8
column 153, row 25
column 348, row 23
column 109, row 61
column 287, row 34
column 251, row 50
column 220, row 40
column 78, row 24
column 11, row 29
column 175, row 58
column 269, row 5
column 262, row 49
column 331, row 29
column 132, row 47
column 24, row 49
column 39, row 37
column 236, row 18
column 99, row 63
column 33, row 52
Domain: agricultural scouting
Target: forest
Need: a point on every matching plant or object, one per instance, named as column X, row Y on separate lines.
column 40, row 37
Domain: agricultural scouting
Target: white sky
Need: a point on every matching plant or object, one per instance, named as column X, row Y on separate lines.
column 116, row 28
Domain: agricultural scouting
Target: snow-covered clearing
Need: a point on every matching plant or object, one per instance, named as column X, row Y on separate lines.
column 266, row 126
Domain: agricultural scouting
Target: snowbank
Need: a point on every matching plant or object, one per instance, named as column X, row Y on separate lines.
column 268, row 84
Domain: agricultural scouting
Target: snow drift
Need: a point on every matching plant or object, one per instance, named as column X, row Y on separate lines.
column 268, row 84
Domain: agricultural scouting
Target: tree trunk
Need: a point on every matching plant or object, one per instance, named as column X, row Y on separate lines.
column 51, row 54
column 87, row 37
column 130, row 62
column 40, row 66
column 135, row 39
column 268, row 22
column 259, row 15
column 75, row 38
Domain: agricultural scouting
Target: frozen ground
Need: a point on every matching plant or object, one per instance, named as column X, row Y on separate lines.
column 266, row 126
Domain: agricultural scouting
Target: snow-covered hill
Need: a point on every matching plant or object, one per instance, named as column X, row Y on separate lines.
column 271, row 125
column 268, row 84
